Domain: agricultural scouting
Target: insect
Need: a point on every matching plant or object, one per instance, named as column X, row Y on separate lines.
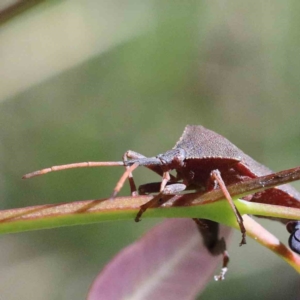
column 293, row 227
column 203, row 160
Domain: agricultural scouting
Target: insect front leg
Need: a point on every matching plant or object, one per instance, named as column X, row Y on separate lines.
column 210, row 234
column 216, row 175
column 132, row 155
column 171, row 189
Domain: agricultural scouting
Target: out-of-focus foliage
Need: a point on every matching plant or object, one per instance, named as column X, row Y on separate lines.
column 172, row 269
column 88, row 80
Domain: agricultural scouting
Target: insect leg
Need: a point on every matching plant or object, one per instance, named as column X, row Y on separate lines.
column 154, row 187
column 123, row 178
column 128, row 155
column 210, row 231
column 158, row 200
column 148, row 188
column 165, row 179
column 217, row 176
column 132, row 155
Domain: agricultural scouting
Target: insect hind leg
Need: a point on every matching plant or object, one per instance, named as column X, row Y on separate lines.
column 210, row 234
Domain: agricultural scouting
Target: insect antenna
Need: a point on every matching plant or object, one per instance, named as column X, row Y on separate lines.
column 89, row 164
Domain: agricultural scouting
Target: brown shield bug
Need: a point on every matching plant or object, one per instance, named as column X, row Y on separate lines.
column 203, row 160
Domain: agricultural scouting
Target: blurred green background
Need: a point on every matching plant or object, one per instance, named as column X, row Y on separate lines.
column 88, row 80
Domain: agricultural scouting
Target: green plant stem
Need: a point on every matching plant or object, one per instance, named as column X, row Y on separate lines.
column 91, row 211
column 194, row 205
column 125, row 208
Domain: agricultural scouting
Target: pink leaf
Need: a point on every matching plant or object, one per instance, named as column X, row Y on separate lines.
column 169, row 262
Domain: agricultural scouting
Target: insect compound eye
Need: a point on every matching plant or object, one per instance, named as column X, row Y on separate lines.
column 179, row 157
column 294, row 239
